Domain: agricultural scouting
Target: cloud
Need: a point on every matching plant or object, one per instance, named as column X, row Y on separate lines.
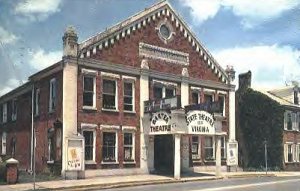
column 7, row 37
column 252, row 13
column 270, row 65
column 41, row 59
column 37, row 9
column 10, row 85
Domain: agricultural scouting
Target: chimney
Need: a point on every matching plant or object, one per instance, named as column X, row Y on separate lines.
column 70, row 42
column 245, row 80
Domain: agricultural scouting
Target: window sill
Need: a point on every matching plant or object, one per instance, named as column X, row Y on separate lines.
column 50, row 162
column 103, row 162
column 110, row 110
column 291, row 130
column 90, row 162
column 51, row 112
column 129, row 162
column 89, row 108
column 130, row 112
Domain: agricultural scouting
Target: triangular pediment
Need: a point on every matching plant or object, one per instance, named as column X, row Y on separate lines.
column 125, row 28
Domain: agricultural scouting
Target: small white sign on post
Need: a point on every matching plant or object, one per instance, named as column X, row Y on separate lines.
column 232, row 151
column 200, row 122
column 75, row 157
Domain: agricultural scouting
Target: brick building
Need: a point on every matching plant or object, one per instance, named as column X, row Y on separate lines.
column 97, row 93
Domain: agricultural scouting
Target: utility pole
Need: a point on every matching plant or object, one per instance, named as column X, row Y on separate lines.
column 266, row 155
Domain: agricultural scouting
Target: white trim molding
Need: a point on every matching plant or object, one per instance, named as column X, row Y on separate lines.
column 128, row 128
column 110, row 75
column 109, row 127
column 89, row 72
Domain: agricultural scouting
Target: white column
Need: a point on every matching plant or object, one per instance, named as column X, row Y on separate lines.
column 231, row 115
column 69, row 110
column 177, row 165
column 144, row 96
column 218, row 155
column 184, row 93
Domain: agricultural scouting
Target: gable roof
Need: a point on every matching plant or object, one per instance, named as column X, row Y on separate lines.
column 279, row 95
column 141, row 19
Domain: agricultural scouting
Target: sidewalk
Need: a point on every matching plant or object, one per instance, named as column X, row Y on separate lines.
column 133, row 180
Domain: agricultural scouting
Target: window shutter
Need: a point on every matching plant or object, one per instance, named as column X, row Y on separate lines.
column 285, row 121
column 285, row 153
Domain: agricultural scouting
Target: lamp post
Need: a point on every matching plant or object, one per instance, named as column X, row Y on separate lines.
column 266, row 155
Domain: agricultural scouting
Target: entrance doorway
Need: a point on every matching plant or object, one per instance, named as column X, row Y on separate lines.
column 164, row 154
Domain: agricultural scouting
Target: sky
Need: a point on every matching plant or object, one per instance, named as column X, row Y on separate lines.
column 262, row 36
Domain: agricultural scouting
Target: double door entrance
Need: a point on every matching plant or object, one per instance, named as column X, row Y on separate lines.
column 164, row 154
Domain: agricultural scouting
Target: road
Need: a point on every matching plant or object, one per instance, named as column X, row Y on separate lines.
column 237, row 184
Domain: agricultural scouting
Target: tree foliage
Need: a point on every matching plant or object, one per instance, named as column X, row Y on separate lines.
column 260, row 119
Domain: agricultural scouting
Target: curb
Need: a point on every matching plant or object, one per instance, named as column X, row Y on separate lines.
column 250, row 175
column 151, row 182
column 128, row 184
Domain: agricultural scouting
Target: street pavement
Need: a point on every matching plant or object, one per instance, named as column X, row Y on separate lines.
column 191, row 182
column 234, row 184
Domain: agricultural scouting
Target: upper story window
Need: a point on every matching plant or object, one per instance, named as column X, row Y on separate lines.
column 128, row 96
column 89, row 91
column 296, row 99
column 195, row 97
column 4, row 113
column 110, row 100
column 163, row 89
column 53, row 95
column 209, row 95
column 14, row 110
column 37, row 102
column 222, row 100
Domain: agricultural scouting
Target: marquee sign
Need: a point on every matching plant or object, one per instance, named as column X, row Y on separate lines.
column 200, row 122
column 161, row 123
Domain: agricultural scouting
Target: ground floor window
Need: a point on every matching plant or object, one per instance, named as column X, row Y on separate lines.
column 89, row 145
column 128, row 147
column 289, row 152
column 109, row 152
column 196, row 147
column 209, row 148
column 50, row 149
column 3, row 143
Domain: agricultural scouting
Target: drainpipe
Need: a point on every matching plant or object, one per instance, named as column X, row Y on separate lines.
column 32, row 129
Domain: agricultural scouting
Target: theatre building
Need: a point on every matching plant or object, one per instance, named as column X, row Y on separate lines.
column 142, row 96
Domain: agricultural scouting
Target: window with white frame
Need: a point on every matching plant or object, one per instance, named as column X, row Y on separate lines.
column 50, row 149
column 196, row 148
column 89, row 91
column 288, row 121
column 4, row 113
column 289, row 152
column 109, row 150
column 298, row 152
column 209, row 148
column 298, row 122
column 294, row 121
column 223, row 148
column 89, row 146
column 208, row 97
column 129, row 147
column 110, row 100
column 14, row 110
column 53, row 95
column 37, row 102
column 195, row 97
column 222, row 100
column 3, row 143
column 128, row 96
column 163, row 90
